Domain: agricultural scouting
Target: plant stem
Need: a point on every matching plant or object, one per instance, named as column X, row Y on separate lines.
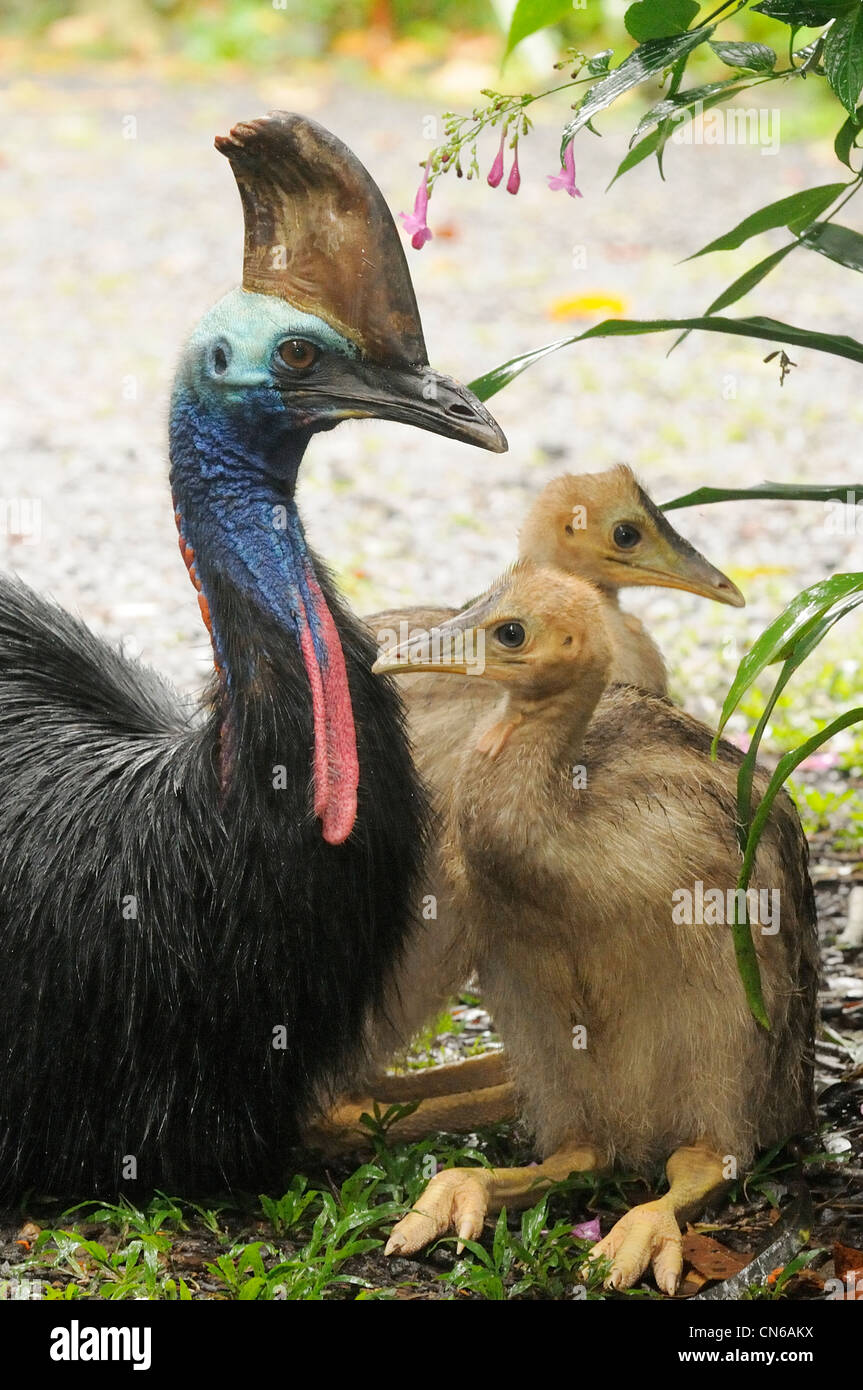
column 704, row 22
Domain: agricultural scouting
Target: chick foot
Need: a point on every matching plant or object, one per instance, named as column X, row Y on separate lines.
column 458, row 1199
column 646, row 1235
column 455, row 1200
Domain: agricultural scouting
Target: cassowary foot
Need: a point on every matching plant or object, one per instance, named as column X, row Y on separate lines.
column 455, row 1200
column 342, row 1131
column 646, row 1235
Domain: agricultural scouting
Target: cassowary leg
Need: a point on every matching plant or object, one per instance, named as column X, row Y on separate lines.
column 650, row 1234
column 341, row 1131
column 471, row 1075
column 459, row 1199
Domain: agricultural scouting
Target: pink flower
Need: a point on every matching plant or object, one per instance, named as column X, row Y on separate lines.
column 513, row 183
column 588, row 1230
column 414, row 222
column 495, row 173
column 566, row 177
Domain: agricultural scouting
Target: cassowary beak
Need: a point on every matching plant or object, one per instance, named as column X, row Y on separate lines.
column 412, row 395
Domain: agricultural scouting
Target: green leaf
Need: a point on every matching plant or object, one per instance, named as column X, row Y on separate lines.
column 747, row 964
column 791, row 639
column 829, row 597
column 648, row 59
column 794, row 655
column 674, row 108
column 749, row 279
column 796, row 211
column 501, row 1238
column 846, row 140
column 529, row 16
column 665, row 130
column 843, row 58
column 839, row 244
column 803, row 14
column 794, row 1267
column 478, row 1250
column 849, row 493
column 785, row 767
column 532, row 1223
column 770, row 330
column 643, row 150
column 597, row 66
column 658, row 19
column 756, row 57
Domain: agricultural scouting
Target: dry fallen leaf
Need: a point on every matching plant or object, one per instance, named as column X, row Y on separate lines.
column 709, row 1258
column 849, row 1268
column 691, row 1284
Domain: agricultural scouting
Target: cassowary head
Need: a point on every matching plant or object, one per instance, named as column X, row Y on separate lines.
column 326, row 326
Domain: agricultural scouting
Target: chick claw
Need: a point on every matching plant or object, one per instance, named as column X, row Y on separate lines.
column 646, row 1235
column 455, row 1200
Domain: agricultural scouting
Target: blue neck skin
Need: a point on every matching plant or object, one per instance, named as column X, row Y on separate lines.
column 233, row 482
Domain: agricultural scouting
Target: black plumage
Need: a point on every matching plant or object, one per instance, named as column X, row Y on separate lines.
column 151, row 938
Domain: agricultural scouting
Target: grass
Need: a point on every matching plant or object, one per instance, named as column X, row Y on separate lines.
column 323, row 1239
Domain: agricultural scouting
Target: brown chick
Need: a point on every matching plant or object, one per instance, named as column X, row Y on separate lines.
column 577, row 827
column 604, row 528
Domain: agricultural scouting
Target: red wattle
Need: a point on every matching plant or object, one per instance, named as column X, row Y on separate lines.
column 336, row 765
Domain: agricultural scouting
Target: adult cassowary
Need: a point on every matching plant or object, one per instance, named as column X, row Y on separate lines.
column 197, row 908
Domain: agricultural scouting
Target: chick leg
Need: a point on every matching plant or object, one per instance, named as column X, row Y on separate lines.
column 458, row 1199
column 650, row 1234
column 471, row 1075
column 340, row 1131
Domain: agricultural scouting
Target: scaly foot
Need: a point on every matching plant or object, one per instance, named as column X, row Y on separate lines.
column 646, row 1235
column 455, row 1200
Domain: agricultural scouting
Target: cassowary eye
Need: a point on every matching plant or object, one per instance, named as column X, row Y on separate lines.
column 510, row 635
column 625, row 535
column 299, row 354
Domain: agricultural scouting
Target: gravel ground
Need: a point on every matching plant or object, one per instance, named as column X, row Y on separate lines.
column 112, row 248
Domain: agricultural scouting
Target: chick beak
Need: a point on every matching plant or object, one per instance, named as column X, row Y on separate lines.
column 422, row 397
column 675, row 564
column 457, row 647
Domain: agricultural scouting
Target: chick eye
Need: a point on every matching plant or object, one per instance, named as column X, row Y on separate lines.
column 510, row 635
column 625, row 535
column 298, row 354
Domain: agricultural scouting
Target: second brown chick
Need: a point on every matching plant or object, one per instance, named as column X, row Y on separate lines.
column 599, row 527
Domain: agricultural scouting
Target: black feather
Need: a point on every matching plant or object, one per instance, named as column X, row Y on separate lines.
column 155, row 930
